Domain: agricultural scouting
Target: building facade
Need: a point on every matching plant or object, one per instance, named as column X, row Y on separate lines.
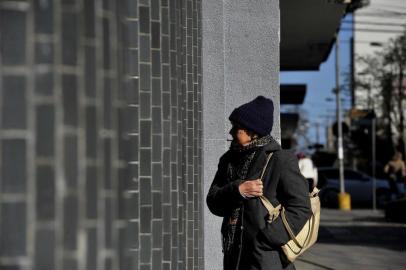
column 101, row 134
column 370, row 38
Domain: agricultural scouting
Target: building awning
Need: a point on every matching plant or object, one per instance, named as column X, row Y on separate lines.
column 292, row 93
column 308, row 29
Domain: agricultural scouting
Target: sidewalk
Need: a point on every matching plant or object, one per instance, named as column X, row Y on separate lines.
column 360, row 239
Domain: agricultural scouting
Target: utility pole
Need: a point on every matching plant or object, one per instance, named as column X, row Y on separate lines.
column 344, row 200
column 373, row 127
column 373, row 162
column 352, row 56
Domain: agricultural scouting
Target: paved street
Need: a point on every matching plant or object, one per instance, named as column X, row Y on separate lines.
column 360, row 239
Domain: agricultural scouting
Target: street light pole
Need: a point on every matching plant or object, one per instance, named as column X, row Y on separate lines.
column 344, row 199
column 373, row 134
column 373, row 157
column 340, row 150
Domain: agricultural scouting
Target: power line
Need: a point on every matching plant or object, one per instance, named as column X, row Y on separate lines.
column 380, row 15
column 374, row 23
column 373, row 30
column 380, row 11
column 390, row 6
column 393, row 12
column 359, row 41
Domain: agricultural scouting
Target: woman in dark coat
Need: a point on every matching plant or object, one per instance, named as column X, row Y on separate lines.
column 249, row 242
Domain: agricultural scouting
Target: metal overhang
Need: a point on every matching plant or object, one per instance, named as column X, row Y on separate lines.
column 308, row 29
column 292, row 93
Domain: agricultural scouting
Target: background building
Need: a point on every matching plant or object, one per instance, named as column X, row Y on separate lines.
column 378, row 30
column 374, row 25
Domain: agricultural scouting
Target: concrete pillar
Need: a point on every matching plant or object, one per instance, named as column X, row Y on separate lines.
column 240, row 62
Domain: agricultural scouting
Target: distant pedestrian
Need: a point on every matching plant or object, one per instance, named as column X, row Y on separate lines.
column 308, row 170
column 249, row 241
column 395, row 170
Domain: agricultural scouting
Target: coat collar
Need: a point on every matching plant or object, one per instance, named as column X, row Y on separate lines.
column 272, row 146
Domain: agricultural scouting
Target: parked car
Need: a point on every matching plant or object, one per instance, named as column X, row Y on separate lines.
column 357, row 184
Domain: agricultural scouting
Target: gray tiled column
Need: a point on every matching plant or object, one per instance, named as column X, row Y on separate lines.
column 101, row 135
column 63, row 170
column 240, row 61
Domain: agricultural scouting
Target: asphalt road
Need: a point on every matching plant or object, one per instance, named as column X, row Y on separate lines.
column 359, row 239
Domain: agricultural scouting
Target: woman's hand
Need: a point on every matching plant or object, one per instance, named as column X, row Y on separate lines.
column 251, row 188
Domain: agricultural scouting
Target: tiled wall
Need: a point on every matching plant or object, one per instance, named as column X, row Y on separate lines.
column 100, row 142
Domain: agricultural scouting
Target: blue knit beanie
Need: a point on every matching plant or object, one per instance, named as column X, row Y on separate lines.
column 256, row 115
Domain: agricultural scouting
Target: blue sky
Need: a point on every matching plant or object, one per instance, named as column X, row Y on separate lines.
column 320, row 85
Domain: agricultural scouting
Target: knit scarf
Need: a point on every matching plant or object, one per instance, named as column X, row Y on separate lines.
column 236, row 171
column 254, row 144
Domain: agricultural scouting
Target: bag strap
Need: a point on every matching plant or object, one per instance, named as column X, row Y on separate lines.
column 288, row 229
column 273, row 211
column 266, row 165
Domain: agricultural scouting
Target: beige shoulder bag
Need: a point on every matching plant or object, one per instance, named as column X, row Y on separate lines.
column 308, row 234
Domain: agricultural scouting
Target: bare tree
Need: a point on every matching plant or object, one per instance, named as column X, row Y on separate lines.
column 381, row 84
column 394, row 64
column 368, row 83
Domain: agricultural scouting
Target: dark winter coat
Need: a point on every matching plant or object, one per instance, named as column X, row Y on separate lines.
column 260, row 242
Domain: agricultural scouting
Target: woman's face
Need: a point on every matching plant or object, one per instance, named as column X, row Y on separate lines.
column 240, row 135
